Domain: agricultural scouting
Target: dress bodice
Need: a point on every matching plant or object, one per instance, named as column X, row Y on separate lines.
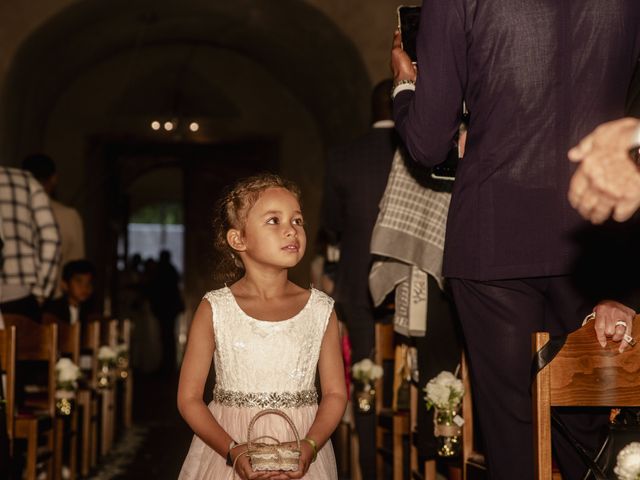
column 254, row 355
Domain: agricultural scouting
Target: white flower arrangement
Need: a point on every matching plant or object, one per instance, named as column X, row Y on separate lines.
column 628, row 462
column 67, row 374
column 366, row 371
column 444, row 391
column 106, row 354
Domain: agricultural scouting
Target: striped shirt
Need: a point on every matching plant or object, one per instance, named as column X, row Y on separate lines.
column 31, row 250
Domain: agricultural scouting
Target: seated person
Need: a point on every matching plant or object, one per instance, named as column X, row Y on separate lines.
column 76, row 303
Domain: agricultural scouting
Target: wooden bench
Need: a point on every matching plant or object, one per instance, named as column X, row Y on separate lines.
column 8, row 367
column 87, row 397
column 66, row 427
column 35, row 416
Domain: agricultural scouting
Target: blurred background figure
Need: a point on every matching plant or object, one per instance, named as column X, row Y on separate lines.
column 70, row 227
column 166, row 303
column 355, row 180
column 31, row 244
column 76, row 303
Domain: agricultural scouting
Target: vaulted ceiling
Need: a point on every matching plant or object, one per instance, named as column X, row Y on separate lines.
column 289, row 39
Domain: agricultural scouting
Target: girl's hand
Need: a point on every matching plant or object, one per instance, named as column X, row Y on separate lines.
column 306, row 454
column 245, row 472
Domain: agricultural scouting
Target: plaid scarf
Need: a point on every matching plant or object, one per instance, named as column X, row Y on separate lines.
column 408, row 242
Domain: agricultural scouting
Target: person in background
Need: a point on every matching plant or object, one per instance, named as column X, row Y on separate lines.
column 354, row 183
column 31, row 249
column 166, row 303
column 536, row 77
column 43, row 168
column 76, row 304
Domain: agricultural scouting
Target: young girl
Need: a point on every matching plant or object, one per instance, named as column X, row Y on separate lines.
column 267, row 336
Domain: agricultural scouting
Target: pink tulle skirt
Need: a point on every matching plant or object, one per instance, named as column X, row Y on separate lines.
column 203, row 463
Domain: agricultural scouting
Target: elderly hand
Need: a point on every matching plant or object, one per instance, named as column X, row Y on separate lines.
column 607, row 181
column 401, row 65
column 613, row 320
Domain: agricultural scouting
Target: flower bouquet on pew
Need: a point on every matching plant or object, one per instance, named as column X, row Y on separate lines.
column 444, row 393
column 67, row 376
column 107, row 358
column 364, row 373
column 628, row 462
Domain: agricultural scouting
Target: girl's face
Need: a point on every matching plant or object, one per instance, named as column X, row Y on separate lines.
column 273, row 233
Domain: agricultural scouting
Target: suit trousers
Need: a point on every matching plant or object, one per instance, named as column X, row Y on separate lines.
column 361, row 326
column 498, row 318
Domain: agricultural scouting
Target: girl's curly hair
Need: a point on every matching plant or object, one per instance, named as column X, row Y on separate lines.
column 231, row 212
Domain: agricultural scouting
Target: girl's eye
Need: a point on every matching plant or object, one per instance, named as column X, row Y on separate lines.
column 273, row 221
column 298, row 221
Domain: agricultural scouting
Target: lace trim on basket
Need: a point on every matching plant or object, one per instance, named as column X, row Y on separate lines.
column 230, row 398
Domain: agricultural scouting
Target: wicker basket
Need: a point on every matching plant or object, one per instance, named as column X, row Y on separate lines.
column 275, row 455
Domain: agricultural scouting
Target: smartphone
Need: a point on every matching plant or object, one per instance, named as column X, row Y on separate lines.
column 408, row 23
column 447, row 169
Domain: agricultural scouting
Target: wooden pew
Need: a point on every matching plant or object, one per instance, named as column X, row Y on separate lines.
column 108, row 336
column 66, row 428
column 87, row 397
column 385, row 356
column 35, row 417
column 8, row 362
column 124, row 384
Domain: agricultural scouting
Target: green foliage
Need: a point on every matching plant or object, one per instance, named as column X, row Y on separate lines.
column 159, row 213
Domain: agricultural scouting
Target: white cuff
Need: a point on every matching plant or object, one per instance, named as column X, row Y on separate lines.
column 635, row 140
column 402, row 87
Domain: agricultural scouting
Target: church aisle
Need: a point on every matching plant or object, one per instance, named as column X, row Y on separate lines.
column 158, row 441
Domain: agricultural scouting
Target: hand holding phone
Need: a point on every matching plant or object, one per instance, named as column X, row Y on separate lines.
column 408, row 24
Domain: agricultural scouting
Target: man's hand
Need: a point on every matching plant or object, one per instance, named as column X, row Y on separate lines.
column 608, row 313
column 607, row 182
column 401, row 65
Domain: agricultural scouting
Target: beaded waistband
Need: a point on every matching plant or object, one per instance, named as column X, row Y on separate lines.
column 231, row 398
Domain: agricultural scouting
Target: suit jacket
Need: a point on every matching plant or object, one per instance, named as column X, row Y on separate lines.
column 356, row 176
column 71, row 236
column 536, row 76
column 60, row 308
column 633, row 97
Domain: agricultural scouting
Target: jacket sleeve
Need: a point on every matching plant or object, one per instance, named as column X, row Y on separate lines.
column 48, row 241
column 428, row 119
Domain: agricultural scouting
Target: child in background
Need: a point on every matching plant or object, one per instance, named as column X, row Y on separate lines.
column 267, row 336
column 76, row 304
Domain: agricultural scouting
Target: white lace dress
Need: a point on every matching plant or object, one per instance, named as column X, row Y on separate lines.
column 258, row 365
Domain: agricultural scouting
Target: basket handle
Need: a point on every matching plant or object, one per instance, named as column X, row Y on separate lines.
column 273, row 411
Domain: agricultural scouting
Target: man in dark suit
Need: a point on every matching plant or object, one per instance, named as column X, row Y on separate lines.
column 356, row 176
column 536, row 77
